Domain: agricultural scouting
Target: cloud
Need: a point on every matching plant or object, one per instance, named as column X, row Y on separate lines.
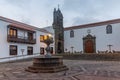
column 34, row 12
column 83, row 20
column 19, row 3
column 87, row 11
column 76, row 12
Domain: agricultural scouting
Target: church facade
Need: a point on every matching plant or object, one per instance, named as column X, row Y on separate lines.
column 99, row 37
column 93, row 38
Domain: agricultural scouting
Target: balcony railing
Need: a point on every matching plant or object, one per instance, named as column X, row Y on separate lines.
column 20, row 39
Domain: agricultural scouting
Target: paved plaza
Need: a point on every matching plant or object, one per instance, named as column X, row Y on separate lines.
column 78, row 70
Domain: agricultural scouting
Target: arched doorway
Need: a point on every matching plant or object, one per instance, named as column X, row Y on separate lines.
column 89, row 45
column 59, row 48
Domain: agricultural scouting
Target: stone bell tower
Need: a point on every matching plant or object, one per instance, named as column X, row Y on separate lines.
column 58, row 30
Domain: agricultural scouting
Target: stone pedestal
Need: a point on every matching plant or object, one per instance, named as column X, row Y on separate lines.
column 47, row 65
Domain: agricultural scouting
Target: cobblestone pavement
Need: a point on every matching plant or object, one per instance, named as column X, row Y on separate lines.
column 78, row 70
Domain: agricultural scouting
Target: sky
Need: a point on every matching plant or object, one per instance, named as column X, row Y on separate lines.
column 39, row 13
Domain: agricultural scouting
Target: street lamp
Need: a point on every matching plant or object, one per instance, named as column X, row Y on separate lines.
column 22, row 50
column 110, row 48
column 48, row 40
column 72, row 48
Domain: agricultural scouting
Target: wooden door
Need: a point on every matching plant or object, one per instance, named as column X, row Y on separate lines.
column 51, row 50
column 30, row 50
column 89, row 46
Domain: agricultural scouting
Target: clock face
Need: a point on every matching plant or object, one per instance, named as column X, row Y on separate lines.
column 88, row 31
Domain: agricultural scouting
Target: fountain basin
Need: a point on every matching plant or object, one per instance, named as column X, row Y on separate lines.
column 51, row 64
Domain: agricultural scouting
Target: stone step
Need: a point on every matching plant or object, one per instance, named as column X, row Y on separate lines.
column 52, row 71
column 46, row 64
column 30, row 70
column 46, row 68
column 47, row 71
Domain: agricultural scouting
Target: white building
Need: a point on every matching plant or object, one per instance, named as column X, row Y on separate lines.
column 93, row 38
column 99, row 37
column 18, row 39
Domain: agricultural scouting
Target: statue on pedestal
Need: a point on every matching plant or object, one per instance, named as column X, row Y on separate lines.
column 48, row 41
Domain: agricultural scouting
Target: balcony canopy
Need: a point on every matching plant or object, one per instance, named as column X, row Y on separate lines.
column 22, row 27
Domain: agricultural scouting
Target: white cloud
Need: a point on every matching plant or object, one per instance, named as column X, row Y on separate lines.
column 91, row 10
column 40, row 12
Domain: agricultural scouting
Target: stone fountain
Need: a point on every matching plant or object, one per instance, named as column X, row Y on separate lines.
column 47, row 63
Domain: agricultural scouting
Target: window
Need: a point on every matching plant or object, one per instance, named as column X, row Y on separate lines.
column 30, row 36
column 71, row 33
column 30, row 50
column 13, row 32
column 42, row 50
column 13, row 50
column 109, row 29
column 51, row 50
column 41, row 38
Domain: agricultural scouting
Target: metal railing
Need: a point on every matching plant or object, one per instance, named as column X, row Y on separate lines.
column 20, row 39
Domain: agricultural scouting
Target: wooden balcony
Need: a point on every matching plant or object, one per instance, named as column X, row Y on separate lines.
column 20, row 39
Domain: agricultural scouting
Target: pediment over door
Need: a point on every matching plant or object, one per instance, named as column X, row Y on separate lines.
column 89, row 36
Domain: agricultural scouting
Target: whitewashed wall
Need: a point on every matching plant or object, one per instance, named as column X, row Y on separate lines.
column 102, row 39
column 4, row 45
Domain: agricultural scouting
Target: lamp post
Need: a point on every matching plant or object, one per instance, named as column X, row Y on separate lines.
column 109, row 46
column 48, row 40
column 22, row 50
column 72, row 48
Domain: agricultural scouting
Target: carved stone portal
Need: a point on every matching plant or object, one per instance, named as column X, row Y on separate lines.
column 89, row 44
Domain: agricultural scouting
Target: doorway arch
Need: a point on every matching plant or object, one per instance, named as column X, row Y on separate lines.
column 89, row 44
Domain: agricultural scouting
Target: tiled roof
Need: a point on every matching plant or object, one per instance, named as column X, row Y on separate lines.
column 22, row 25
column 93, row 24
column 18, row 24
column 44, row 30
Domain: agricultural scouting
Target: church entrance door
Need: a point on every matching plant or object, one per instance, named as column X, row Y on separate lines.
column 89, row 45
